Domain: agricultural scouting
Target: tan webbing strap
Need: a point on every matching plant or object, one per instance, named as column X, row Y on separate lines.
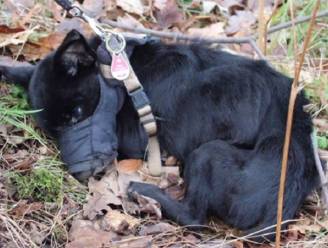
column 146, row 117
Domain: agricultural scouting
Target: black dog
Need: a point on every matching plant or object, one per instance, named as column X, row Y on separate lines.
column 222, row 115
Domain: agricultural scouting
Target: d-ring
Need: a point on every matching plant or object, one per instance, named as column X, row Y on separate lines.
column 115, row 43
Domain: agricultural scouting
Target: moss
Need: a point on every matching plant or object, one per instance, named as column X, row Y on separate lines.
column 40, row 184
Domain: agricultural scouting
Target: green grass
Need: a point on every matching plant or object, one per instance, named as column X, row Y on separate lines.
column 48, row 181
column 319, row 41
column 14, row 110
column 40, row 184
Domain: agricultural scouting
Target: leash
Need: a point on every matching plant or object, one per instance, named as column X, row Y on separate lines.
column 122, row 70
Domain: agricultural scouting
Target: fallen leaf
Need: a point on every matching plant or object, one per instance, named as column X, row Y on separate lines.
column 23, row 208
column 4, row 29
column 242, row 20
column 129, row 20
column 118, row 222
column 169, row 15
column 132, row 6
column 94, row 8
column 133, row 242
column 86, row 234
column 68, row 24
column 161, row 227
column 213, row 30
column 129, row 165
column 37, row 50
column 110, row 190
column 209, row 6
column 16, row 38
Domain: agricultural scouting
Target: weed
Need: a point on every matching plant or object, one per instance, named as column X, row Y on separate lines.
column 40, row 185
column 284, row 38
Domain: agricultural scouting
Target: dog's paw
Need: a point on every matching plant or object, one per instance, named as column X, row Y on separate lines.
column 145, row 189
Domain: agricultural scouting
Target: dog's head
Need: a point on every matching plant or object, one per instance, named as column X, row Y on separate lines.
column 77, row 107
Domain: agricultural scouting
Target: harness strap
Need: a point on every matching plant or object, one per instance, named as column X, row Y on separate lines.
column 142, row 105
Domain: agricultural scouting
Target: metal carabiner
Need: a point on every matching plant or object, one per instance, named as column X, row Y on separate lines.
column 115, row 43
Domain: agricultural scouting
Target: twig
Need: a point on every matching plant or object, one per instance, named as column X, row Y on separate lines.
column 293, row 95
column 268, row 20
column 298, row 20
column 179, row 36
column 322, row 176
column 261, row 28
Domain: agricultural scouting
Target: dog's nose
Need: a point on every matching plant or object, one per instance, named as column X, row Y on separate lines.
column 96, row 168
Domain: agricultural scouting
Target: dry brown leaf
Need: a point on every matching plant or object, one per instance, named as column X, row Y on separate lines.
column 129, row 165
column 209, row 6
column 161, row 227
column 40, row 49
column 132, row 6
column 94, row 8
column 118, row 222
column 242, row 20
column 23, row 208
column 110, row 190
column 213, row 30
column 4, row 29
column 86, row 234
column 304, row 228
column 15, row 38
column 133, row 242
column 11, row 138
column 129, row 20
column 68, row 24
column 169, row 15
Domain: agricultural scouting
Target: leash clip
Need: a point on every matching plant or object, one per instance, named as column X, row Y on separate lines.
column 115, row 43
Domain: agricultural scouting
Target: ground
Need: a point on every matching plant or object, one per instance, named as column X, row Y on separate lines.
column 41, row 205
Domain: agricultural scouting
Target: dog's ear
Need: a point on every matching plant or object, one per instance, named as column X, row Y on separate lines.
column 74, row 54
column 20, row 75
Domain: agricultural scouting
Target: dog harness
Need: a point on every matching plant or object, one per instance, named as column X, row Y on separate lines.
column 122, row 70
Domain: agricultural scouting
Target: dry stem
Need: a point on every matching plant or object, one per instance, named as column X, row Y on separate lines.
column 293, row 95
column 262, row 29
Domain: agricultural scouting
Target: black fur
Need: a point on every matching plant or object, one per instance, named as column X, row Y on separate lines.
column 222, row 115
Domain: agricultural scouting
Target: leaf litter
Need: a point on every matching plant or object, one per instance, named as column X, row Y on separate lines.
column 102, row 215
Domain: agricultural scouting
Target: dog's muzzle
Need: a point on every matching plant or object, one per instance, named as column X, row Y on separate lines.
column 88, row 147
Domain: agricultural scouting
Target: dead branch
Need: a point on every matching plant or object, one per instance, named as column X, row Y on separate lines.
column 298, row 20
column 293, row 95
column 267, row 22
column 322, row 176
column 261, row 29
column 179, row 36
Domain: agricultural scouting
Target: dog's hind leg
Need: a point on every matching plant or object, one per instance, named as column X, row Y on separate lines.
column 203, row 190
column 172, row 209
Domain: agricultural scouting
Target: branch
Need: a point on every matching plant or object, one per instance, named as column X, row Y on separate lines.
column 179, row 36
column 298, row 20
column 322, row 176
column 227, row 40
column 262, row 27
column 293, row 95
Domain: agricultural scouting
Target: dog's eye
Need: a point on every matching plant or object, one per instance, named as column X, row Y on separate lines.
column 77, row 115
column 74, row 116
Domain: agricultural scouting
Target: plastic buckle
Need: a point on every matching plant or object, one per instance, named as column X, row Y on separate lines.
column 139, row 98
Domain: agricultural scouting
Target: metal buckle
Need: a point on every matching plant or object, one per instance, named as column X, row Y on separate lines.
column 115, row 43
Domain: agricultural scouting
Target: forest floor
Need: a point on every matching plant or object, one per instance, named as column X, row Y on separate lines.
column 41, row 205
